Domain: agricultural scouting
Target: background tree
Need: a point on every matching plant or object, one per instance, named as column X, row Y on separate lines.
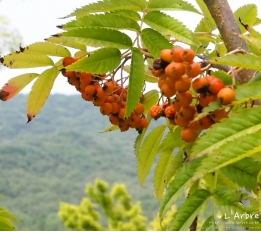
column 103, row 210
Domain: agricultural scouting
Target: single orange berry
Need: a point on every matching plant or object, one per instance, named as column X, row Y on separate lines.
column 68, row 60
column 156, row 111
column 170, row 112
column 106, row 108
column 175, row 70
column 218, row 115
column 183, row 84
column 216, row 85
column 176, row 54
column 193, row 69
column 188, row 55
column 200, row 85
column 139, row 109
column 226, row 96
column 189, row 135
column 166, row 55
column 168, row 91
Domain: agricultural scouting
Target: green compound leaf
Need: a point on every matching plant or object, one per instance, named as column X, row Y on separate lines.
column 239, row 124
column 148, row 152
column 154, row 41
column 248, row 92
column 15, row 85
column 229, row 153
column 66, row 42
column 244, row 173
column 112, row 21
column 160, row 172
column 106, row 5
column 209, row 224
column 127, row 13
column 206, row 13
column 47, row 48
column 166, row 167
column 150, row 99
column 177, row 185
column 187, row 212
column 24, row 60
column 253, row 43
column 172, row 140
column 168, row 25
column 100, row 61
column 98, row 37
column 158, row 5
column 110, row 128
column 136, row 81
column 40, row 92
column 247, row 61
column 247, row 14
column 139, row 139
column 228, row 201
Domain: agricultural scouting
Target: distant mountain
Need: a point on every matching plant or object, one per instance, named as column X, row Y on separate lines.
column 52, row 158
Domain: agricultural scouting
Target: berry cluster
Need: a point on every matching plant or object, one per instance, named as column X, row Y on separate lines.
column 178, row 78
column 107, row 94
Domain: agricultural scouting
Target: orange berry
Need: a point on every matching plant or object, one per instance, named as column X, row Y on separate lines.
column 185, row 98
column 188, row 55
column 215, row 85
column 69, row 74
column 187, row 112
column 189, row 135
column 206, row 99
column 139, row 109
column 194, row 125
column 205, row 122
column 156, row 72
column 193, row 69
column 218, row 115
column 183, row 84
column 156, row 111
column 114, row 119
column 226, row 96
column 200, row 85
column 115, row 108
column 177, row 105
column 142, row 124
column 166, row 55
column 168, row 91
column 121, row 113
column 181, row 121
column 170, row 82
column 161, row 81
column 98, row 101
column 175, row 70
column 68, row 60
column 176, row 54
column 100, row 93
column 170, row 112
column 123, row 125
column 87, row 97
column 133, row 120
column 108, row 87
column 106, row 108
column 90, row 90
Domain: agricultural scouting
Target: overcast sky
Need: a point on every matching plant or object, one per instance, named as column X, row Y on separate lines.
column 37, row 19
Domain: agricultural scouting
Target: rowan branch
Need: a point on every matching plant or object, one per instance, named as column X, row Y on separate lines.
column 229, row 31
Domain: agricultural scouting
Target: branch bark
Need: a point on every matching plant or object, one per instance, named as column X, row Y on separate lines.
column 229, row 31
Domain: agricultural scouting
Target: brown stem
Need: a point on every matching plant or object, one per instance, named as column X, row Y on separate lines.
column 229, row 31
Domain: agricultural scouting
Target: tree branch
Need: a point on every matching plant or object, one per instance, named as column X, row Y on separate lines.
column 229, row 31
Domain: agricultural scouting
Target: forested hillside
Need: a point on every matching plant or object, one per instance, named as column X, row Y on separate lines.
column 52, row 158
